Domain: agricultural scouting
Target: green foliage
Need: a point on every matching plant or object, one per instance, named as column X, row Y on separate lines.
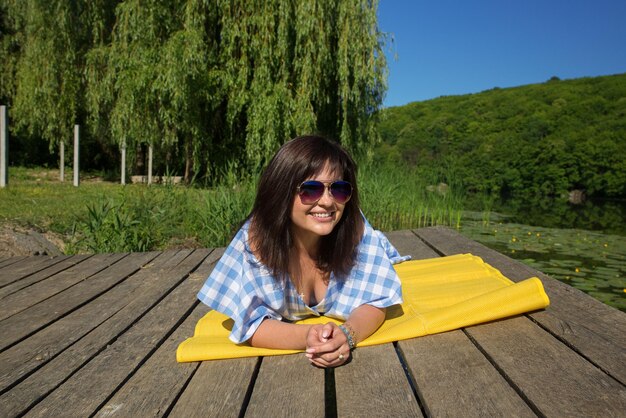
column 104, row 217
column 535, row 140
column 206, row 83
column 395, row 197
column 111, row 228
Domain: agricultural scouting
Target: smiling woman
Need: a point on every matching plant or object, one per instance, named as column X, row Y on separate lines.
column 306, row 250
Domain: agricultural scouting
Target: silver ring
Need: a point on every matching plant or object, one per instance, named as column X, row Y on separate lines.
column 340, row 356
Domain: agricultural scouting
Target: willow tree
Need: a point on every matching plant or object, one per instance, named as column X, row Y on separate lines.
column 42, row 49
column 301, row 66
column 121, row 75
column 209, row 82
column 221, row 81
column 47, row 87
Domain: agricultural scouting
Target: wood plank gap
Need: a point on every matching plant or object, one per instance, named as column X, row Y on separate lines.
column 506, row 377
column 41, row 275
column 152, row 351
column 95, row 381
column 73, row 309
column 32, row 371
column 11, row 260
column 575, row 349
column 409, row 377
column 159, row 384
column 155, row 303
column 52, row 352
column 250, row 389
column 428, row 244
column 171, row 406
column 145, row 312
column 330, row 394
column 40, row 290
column 28, row 267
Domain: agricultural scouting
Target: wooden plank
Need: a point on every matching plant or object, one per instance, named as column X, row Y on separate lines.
column 10, row 260
column 595, row 330
column 390, row 383
column 453, row 378
column 42, row 275
column 26, row 267
column 97, row 380
column 407, row 243
column 65, row 346
column 555, row 380
column 288, row 386
column 95, row 277
column 41, row 289
column 217, row 389
column 19, row 361
column 374, row 384
column 152, row 390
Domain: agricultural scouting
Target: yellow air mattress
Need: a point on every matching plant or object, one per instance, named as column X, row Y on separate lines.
column 440, row 294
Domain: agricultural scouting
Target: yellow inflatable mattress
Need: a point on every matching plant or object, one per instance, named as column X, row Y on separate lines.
column 440, row 294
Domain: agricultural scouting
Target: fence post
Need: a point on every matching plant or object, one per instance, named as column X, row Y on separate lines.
column 150, row 164
column 4, row 147
column 62, row 161
column 123, row 181
column 76, row 155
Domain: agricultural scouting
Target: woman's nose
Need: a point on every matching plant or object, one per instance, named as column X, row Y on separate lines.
column 326, row 199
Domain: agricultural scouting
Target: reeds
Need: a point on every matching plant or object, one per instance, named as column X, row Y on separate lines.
column 394, row 198
column 104, row 217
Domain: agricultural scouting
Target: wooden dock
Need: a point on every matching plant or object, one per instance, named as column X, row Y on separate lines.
column 96, row 336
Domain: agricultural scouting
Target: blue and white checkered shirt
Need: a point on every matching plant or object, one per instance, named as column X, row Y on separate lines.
column 244, row 289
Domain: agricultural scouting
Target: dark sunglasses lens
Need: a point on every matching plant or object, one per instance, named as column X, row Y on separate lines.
column 311, row 191
column 341, row 191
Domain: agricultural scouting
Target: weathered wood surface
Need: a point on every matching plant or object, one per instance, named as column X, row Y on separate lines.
column 96, row 335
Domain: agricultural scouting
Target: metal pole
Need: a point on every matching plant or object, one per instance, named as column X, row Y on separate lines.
column 124, row 164
column 76, row 155
column 62, row 161
column 4, row 147
column 150, row 164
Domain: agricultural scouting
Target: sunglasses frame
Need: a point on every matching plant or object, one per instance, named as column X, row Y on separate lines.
column 327, row 187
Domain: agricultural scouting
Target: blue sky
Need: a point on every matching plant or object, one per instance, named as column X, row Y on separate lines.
column 445, row 47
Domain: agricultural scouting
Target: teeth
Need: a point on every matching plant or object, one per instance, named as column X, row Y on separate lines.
column 321, row 215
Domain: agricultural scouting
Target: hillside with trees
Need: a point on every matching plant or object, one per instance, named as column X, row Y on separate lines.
column 535, row 140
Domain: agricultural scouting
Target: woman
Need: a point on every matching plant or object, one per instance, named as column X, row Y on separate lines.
column 306, row 250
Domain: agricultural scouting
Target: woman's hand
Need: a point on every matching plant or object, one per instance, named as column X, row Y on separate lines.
column 327, row 345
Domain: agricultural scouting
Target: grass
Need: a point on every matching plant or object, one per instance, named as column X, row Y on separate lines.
column 101, row 216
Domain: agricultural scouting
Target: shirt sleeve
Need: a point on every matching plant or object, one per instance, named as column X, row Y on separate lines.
column 372, row 280
column 240, row 291
column 392, row 253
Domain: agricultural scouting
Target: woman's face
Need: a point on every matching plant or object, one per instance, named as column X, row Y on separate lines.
column 310, row 222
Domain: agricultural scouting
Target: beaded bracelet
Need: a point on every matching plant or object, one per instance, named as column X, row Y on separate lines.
column 350, row 335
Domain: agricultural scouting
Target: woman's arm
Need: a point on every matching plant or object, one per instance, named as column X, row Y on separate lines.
column 364, row 320
column 273, row 333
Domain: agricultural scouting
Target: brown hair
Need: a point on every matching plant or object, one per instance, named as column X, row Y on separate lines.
column 296, row 161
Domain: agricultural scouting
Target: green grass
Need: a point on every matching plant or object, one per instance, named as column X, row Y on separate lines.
column 107, row 217
column 100, row 216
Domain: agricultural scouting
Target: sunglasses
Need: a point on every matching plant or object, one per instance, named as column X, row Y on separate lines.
column 311, row 191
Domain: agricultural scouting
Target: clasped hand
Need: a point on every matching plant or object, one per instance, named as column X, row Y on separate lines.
column 327, row 345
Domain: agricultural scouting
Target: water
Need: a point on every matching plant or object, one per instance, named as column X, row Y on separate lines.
column 584, row 246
